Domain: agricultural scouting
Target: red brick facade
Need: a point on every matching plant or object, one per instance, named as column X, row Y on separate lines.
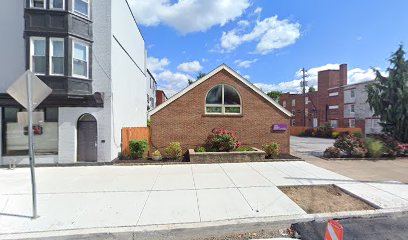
column 184, row 120
column 324, row 105
column 160, row 97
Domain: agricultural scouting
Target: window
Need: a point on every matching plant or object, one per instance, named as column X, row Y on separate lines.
column 293, row 112
column 57, row 4
column 334, row 107
column 15, row 134
column 80, row 60
column 352, row 110
column 334, row 123
column 352, row 123
column 284, row 104
column 223, row 99
column 306, row 100
column 293, row 121
column 333, row 94
column 38, row 3
column 57, row 56
column 82, row 7
column 352, row 93
column 37, row 55
column 293, row 102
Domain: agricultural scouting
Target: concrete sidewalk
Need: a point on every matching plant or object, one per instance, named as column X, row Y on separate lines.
column 75, row 198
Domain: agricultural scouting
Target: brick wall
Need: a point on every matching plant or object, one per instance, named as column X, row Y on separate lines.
column 185, row 121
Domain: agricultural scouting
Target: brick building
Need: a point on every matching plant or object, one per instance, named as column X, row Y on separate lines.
column 335, row 102
column 224, row 99
column 160, row 97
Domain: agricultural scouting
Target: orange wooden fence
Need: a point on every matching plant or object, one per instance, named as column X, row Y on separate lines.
column 128, row 134
column 295, row 131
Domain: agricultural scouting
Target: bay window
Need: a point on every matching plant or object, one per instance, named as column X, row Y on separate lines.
column 81, row 7
column 57, row 56
column 38, row 3
column 57, row 4
column 38, row 55
column 80, row 60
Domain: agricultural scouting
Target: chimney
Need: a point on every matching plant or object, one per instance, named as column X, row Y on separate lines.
column 343, row 75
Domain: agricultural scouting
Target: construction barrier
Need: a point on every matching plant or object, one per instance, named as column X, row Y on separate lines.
column 296, row 131
column 128, row 134
column 334, row 231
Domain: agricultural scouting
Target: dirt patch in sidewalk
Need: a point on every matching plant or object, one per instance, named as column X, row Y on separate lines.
column 324, row 199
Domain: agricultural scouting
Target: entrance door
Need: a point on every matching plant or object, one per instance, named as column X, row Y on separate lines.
column 87, row 139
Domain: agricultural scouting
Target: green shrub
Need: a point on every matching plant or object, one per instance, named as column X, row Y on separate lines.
column 174, row 150
column 138, row 148
column 222, row 140
column 302, row 134
column 332, row 152
column 391, row 146
column 335, row 135
column 156, row 153
column 200, row 149
column 309, row 132
column 272, row 150
column 324, row 131
column 375, row 148
column 358, row 134
column 351, row 145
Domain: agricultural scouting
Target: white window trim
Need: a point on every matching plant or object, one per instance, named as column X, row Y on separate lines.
column 333, row 107
column 284, row 104
column 50, row 55
column 81, row 14
column 87, row 59
column 32, row 39
column 352, row 90
column 354, row 123
column 333, row 94
column 293, row 102
column 222, row 105
column 32, row 5
column 53, row 8
column 336, row 121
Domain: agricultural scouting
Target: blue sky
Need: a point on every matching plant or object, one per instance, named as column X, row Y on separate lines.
column 269, row 41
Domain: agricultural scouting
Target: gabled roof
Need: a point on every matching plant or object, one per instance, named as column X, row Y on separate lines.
column 209, row 75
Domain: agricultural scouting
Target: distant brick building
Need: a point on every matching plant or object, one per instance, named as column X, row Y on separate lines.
column 224, row 99
column 160, row 97
column 335, row 102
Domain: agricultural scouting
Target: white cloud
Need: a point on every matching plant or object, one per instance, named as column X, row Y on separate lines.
column 172, row 82
column 247, row 77
column 355, row 75
column 270, row 34
column 187, row 15
column 155, row 64
column 245, row 63
column 258, row 10
column 190, row 67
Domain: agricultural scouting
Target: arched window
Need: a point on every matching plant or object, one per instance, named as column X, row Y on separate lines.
column 223, row 99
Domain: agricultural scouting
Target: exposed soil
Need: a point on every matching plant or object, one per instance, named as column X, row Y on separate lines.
column 324, row 199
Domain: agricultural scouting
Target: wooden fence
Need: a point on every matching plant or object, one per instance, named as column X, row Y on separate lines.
column 128, row 134
column 295, row 131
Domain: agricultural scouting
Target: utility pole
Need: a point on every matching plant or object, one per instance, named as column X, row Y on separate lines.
column 304, row 83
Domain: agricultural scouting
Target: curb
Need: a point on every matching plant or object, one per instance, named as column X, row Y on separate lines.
column 197, row 230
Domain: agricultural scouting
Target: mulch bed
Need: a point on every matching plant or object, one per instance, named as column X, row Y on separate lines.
column 324, row 199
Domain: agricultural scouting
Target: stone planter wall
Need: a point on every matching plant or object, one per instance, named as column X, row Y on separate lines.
column 227, row 157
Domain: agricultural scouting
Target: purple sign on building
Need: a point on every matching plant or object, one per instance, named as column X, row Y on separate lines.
column 279, row 127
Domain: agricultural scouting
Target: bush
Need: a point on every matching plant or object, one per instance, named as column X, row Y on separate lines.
column 272, row 150
column 302, row 134
column 222, row 140
column 309, row 132
column 244, row 149
column 200, row 149
column 351, row 145
column 375, row 148
column 403, row 149
column 335, row 135
column 332, row 152
column 156, row 153
column 358, row 134
column 324, row 131
column 391, row 146
column 174, row 151
column 138, row 148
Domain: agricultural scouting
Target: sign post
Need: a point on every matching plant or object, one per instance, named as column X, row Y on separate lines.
column 30, row 91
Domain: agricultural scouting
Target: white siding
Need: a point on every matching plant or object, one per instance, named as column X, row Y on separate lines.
column 12, row 47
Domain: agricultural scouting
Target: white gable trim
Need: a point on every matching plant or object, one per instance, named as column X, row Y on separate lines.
column 212, row 73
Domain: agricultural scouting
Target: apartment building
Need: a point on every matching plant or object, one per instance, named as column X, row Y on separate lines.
column 151, row 90
column 336, row 102
column 92, row 54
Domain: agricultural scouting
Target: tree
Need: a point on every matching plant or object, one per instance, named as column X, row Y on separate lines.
column 388, row 97
column 200, row 75
column 190, row 81
column 312, row 89
column 275, row 95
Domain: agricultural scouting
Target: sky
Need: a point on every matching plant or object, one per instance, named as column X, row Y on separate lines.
column 269, row 41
